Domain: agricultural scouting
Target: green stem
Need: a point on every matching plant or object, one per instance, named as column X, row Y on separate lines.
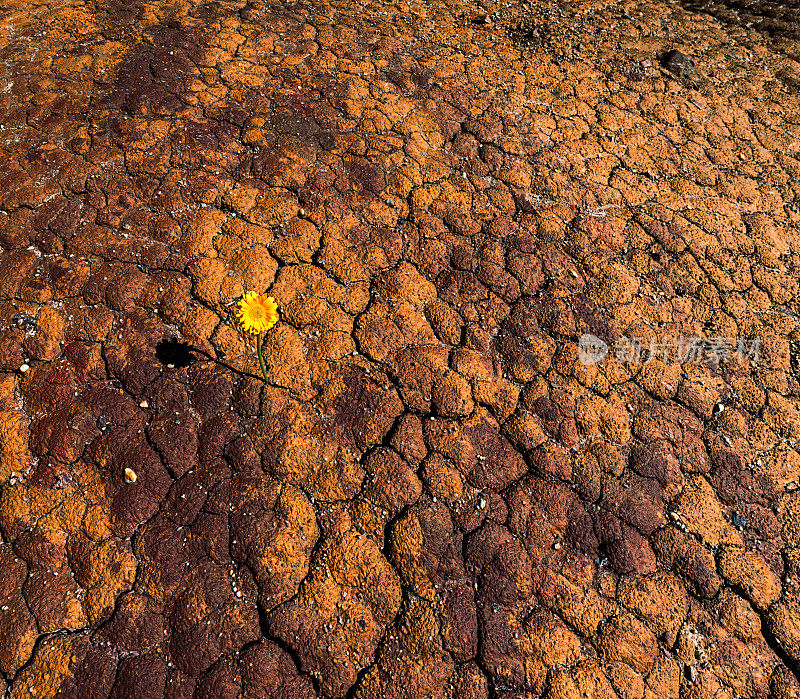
column 260, row 358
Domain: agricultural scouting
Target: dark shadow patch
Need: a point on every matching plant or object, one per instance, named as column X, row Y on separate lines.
column 596, row 318
column 155, row 76
column 775, row 19
column 353, row 408
column 365, row 175
column 175, row 354
column 119, row 18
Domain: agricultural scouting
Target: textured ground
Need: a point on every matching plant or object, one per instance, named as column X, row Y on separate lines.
column 434, row 497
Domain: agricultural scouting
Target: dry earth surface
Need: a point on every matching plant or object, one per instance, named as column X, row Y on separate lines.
column 434, row 497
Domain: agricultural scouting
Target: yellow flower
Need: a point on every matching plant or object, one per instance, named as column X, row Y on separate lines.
column 257, row 313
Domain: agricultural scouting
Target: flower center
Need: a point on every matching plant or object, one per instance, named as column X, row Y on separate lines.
column 257, row 313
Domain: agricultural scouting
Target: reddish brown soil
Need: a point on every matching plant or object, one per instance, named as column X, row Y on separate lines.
column 434, row 496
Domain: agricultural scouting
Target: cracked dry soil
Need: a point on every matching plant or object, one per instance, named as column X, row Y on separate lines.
column 434, row 497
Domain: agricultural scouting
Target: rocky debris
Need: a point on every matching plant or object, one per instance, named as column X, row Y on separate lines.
column 435, row 495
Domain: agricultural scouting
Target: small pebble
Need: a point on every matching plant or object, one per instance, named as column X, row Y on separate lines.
column 144, row 404
column 23, row 368
column 130, row 475
column 678, row 63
